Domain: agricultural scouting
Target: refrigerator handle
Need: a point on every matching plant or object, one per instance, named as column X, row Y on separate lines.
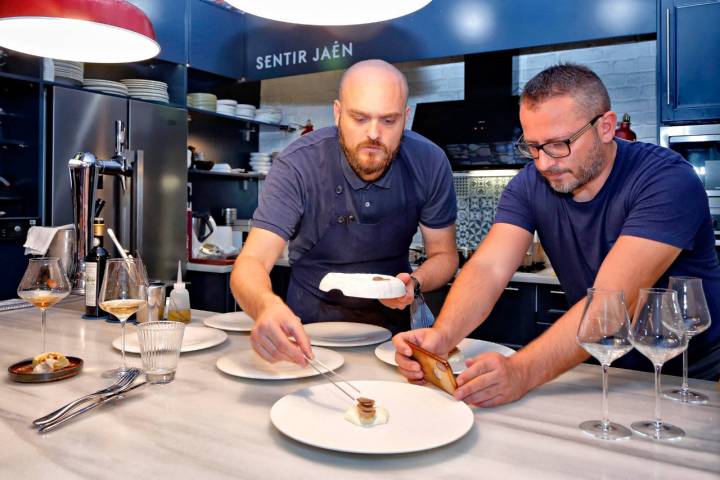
column 138, row 186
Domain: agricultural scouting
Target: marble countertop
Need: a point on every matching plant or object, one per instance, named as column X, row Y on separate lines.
column 208, row 425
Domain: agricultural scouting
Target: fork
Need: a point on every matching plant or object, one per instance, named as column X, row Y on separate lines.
column 126, row 379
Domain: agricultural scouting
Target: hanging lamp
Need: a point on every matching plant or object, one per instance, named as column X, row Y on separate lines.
column 329, row 12
column 98, row 31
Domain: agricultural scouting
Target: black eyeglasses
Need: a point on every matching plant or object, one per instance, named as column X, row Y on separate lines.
column 556, row 149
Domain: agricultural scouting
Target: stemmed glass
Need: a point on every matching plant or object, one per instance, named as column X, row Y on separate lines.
column 604, row 333
column 696, row 315
column 123, row 291
column 43, row 284
column 658, row 332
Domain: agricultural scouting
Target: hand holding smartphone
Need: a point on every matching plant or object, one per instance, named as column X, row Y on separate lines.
column 436, row 369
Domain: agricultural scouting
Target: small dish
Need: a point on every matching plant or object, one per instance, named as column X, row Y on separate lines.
column 22, row 371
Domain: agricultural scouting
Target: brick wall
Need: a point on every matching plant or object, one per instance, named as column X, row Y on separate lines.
column 628, row 71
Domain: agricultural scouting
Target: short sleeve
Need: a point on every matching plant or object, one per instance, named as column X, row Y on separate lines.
column 514, row 206
column 280, row 205
column 668, row 206
column 440, row 209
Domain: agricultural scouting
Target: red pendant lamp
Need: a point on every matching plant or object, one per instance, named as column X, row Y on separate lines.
column 98, row 31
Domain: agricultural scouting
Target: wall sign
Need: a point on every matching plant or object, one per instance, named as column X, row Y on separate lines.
column 321, row 55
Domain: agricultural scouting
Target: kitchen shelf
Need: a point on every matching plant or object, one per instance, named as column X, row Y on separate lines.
column 14, row 143
column 210, row 173
column 210, row 114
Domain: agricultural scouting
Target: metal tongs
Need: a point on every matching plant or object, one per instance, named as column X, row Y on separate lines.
column 328, row 371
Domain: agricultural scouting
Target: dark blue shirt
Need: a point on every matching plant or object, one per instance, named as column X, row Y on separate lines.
column 297, row 200
column 652, row 193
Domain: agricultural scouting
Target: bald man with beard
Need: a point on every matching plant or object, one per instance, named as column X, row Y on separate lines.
column 349, row 199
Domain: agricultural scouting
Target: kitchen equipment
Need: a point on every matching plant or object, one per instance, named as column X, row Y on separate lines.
column 700, row 145
column 150, row 191
column 154, row 309
column 62, row 246
column 229, row 215
column 203, row 225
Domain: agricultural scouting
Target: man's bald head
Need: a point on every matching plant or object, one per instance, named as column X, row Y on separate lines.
column 373, row 71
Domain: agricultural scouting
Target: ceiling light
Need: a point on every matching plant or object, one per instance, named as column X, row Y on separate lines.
column 329, row 12
column 98, row 31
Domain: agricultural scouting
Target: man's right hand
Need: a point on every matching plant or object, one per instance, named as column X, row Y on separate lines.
column 428, row 338
column 269, row 337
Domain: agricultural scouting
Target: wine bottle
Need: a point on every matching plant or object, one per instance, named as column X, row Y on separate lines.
column 95, row 270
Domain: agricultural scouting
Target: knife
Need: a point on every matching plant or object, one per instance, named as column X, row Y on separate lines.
column 61, row 420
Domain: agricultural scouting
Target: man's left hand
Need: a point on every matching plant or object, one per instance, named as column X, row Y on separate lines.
column 491, row 379
column 401, row 302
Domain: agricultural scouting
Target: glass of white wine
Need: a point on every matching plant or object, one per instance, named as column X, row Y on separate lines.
column 123, row 291
column 696, row 315
column 44, row 284
column 604, row 332
column 658, row 332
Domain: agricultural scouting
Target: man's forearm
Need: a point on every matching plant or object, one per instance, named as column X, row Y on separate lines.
column 437, row 270
column 554, row 352
column 470, row 300
column 251, row 286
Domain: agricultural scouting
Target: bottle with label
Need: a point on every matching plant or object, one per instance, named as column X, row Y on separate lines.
column 179, row 301
column 95, row 270
column 624, row 131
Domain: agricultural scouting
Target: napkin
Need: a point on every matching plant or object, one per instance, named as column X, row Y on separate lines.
column 39, row 238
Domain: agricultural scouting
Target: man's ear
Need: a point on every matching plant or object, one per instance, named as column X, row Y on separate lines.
column 607, row 126
column 337, row 108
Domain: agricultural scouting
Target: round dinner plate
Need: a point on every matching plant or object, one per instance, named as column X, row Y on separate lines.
column 194, row 338
column 469, row 347
column 363, row 285
column 420, row 418
column 248, row 364
column 345, row 334
column 232, row 322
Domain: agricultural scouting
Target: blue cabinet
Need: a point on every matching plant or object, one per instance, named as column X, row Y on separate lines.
column 217, row 39
column 689, row 60
column 169, row 19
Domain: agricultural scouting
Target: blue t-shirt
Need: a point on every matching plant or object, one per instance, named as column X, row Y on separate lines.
column 297, row 200
column 652, row 193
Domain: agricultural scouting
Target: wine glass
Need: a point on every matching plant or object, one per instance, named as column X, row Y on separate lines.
column 604, row 334
column 43, row 284
column 696, row 315
column 123, row 291
column 658, row 332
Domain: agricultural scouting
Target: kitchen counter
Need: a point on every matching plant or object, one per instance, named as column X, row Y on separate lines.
column 210, row 425
column 203, row 267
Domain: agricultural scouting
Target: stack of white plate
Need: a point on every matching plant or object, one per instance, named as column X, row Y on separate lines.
column 147, row 89
column 106, row 86
column 243, row 110
column 260, row 162
column 205, row 101
column 268, row 115
column 226, row 106
column 67, row 70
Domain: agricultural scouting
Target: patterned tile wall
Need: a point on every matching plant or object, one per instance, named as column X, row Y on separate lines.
column 477, row 199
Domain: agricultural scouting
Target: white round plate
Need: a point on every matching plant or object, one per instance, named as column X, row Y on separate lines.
column 248, row 364
column 363, row 285
column 345, row 334
column 420, row 418
column 469, row 347
column 232, row 322
column 194, row 338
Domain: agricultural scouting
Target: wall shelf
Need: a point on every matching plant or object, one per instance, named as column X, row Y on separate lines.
column 210, row 173
column 210, row 114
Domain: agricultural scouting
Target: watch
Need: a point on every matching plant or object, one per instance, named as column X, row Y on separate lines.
column 417, row 289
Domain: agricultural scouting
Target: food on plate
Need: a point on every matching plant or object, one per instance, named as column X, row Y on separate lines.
column 456, row 355
column 49, row 362
column 366, row 414
column 380, row 279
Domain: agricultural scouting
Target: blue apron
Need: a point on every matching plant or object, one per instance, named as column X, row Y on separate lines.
column 348, row 246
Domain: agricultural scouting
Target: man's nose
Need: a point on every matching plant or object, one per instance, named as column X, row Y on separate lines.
column 544, row 161
column 373, row 132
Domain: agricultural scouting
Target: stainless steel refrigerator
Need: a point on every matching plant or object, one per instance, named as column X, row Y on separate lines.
column 155, row 225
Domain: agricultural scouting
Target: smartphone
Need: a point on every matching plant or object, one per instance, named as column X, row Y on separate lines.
column 436, row 369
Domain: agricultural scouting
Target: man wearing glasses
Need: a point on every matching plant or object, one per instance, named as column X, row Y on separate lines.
column 610, row 214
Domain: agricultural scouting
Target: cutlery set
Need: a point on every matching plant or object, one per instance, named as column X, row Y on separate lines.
column 116, row 391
